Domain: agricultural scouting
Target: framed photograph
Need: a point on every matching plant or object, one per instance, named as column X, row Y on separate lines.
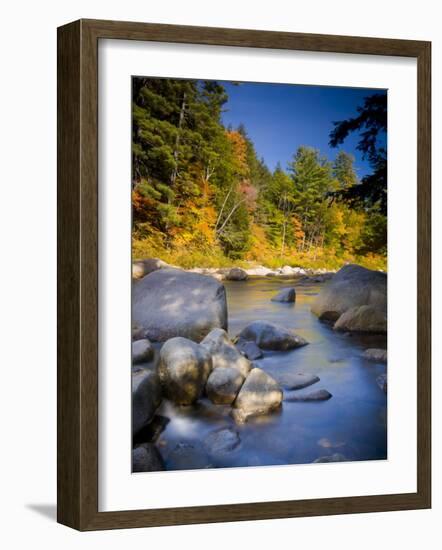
column 230, row 203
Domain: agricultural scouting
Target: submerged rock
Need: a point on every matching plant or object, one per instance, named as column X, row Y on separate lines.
column 237, row 274
column 146, row 458
column 352, row 286
column 142, row 351
column 146, row 397
column 285, row 295
column 382, row 382
column 188, row 456
column 223, row 385
column 183, row 370
column 296, row 380
column 318, row 395
column 271, row 337
column 249, row 349
column 171, row 302
column 335, row 457
column 376, row 354
column 260, row 394
column 362, row 319
column 222, row 441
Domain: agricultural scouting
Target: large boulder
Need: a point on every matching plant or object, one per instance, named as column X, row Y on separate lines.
column 184, row 368
column 352, row 286
column 146, row 458
column 223, row 385
column 172, row 302
column 146, row 397
column 260, row 394
column 285, row 295
column 272, row 337
column 237, row 274
column 362, row 319
column 140, row 268
column 224, row 353
column 142, row 351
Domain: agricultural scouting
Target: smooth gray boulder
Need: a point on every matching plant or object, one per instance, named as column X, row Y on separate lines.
column 362, row 319
column 171, row 302
column 350, row 287
column 249, row 349
column 260, row 394
column 224, row 353
column 376, row 354
column 146, row 458
column 296, row 380
column 142, row 351
column 223, row 440
column 335, row 457
column 318, row 395
column 223, row 385
column 237, row 274
column 146, row 397
column 183, row 369
column 287, row 295
column 271, row 337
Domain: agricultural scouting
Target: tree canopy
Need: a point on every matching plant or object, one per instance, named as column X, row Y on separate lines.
column 200, row 191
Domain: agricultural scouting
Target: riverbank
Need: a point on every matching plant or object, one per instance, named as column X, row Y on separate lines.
column 140, row 268
column 325, row 259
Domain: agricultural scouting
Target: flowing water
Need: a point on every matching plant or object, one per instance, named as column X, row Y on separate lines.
column 352, row 423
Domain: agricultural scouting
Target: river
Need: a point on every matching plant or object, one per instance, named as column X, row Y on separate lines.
column 353, row 423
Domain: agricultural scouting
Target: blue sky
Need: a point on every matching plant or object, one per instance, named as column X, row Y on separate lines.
column 281, row 117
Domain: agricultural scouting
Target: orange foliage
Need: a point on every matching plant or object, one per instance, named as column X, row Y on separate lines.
column 240, row 152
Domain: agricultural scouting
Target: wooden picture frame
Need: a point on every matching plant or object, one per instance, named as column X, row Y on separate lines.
column 78, row 274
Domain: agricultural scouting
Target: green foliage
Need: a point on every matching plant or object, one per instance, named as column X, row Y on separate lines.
column 371, row 123
column 202, row 196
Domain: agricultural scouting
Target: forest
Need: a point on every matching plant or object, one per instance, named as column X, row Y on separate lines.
column 202, row 196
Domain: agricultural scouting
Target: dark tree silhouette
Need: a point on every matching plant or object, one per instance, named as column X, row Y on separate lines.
column 371, row 123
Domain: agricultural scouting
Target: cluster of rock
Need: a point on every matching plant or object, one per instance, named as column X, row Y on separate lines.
column 185, row 312
column 213, row 368
column 141, row 268
column 217, row 369
column 355, row 300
